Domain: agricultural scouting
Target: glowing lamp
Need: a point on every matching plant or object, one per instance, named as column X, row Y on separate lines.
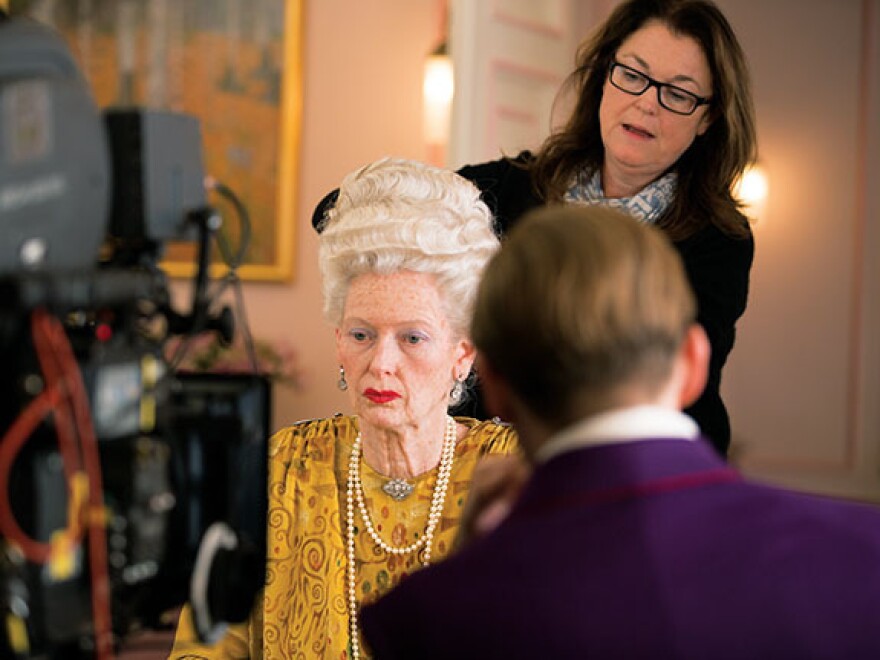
column 752, row 190
column 437, row 91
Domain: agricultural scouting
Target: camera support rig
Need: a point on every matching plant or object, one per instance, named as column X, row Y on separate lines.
column 100, row 513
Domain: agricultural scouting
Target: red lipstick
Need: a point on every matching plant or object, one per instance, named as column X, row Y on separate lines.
column 383, row 396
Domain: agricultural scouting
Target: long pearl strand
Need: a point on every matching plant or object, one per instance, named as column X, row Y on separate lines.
column 355, row 493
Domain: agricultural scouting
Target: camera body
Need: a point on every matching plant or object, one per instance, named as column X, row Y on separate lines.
column 87, row 201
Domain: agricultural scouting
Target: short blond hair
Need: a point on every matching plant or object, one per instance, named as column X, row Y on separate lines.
column 402, row 215
column 580, row 303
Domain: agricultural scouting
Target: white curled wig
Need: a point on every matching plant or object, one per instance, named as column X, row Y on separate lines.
column 401, row 215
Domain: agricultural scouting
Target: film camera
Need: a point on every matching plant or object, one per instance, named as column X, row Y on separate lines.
column 125, row 489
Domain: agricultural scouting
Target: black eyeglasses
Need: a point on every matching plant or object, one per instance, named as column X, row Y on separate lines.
column 675, row 99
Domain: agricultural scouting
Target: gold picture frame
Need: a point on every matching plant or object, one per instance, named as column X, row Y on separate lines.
column 236, row 66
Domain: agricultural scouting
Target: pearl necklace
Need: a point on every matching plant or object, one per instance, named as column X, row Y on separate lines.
column 355, row 493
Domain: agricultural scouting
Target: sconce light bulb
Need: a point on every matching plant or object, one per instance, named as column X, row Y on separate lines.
column 752, row 190
column 753, row 186
column 438, row 84
column 437, row 91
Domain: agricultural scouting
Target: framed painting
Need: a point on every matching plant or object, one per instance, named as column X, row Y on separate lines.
column 236, row 66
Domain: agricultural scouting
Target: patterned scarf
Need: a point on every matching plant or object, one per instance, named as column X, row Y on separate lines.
column 647, row 205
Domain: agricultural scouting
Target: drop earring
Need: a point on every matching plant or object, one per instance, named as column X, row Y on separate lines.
column 342, row 384
column 457, row 392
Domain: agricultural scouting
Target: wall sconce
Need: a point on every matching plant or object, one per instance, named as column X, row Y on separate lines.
column 437, row 91
column 752, row 190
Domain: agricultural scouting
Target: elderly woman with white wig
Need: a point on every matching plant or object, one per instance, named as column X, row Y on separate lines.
column 358, row 502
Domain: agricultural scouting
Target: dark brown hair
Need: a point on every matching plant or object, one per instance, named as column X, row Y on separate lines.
column 710, row 167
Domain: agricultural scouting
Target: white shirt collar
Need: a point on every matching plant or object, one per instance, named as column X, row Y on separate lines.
column 616, row 426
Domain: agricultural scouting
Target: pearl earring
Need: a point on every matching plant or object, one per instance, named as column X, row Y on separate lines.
column 342, row 384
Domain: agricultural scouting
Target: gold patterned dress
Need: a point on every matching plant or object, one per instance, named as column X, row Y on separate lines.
column 303, row 611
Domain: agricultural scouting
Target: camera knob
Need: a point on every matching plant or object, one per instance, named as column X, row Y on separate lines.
column 224, row 325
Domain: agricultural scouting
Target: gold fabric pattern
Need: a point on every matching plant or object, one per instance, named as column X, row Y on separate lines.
column 303, row 612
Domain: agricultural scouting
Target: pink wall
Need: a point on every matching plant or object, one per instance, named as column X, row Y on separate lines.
column 362, row 67
column 802, row 383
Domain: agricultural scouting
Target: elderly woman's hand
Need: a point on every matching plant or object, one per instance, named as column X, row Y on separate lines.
column 495, row 486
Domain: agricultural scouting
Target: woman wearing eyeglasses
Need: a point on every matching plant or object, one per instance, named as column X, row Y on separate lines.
column 662, row 127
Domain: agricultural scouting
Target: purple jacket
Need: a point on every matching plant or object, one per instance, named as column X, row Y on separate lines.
column 650, row 549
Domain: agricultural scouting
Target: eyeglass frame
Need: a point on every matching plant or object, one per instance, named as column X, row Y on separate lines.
column 650, row 82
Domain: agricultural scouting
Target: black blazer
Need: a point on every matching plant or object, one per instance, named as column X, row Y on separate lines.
column 717, row 266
